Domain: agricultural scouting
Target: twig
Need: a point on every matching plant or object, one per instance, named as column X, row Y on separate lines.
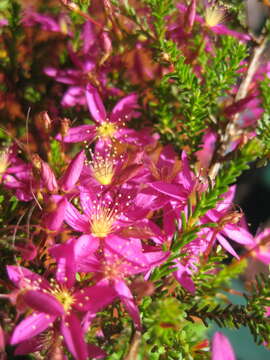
column 232, row 128
column 73, row 7
column 134, row 346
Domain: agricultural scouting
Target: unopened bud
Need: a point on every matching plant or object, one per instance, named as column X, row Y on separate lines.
column 190, row 16
column 44, row 121
column 36, row 161
column 165, row 57
column 65, row 125
column 107, row 47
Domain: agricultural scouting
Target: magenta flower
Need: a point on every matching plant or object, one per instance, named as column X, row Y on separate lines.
column 107, row 128
column 121, row 258
column 17, row 175
column 214, row 16
column 47, row 22
column 221, row 348
column 110, row 213
column 86, row 69
column 111, row 169
column 228, row 225
column 249, row 111
column 260, row 248
column 57, row 301
column 60, row 190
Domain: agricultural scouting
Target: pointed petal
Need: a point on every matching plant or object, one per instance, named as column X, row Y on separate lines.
column 227, row 200
column 221, row 348
column 78, row 134
column 128, row 300
column 184, row 278
column 31, row 326
column 85, row 246
column 28, row 346
column 86, row 198
column 124, row 108
column 170, row 190
column 95, row 104
column 21, row 276
column 66, row 266
column 224, row 243
column 75, row 219
column 43, row 302
column 238, row 234
column 53, row 220
column 48, row 177
column 73, row 172
column 95, row 352
column 73, row 335
column 88, row 36
column 96, row 297
column 186, row 174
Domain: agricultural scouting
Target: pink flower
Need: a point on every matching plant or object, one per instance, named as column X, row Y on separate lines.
column 120, row 259
column 47, row 22
column 108, row 128
column 214, row 17
column 260, row 249
column 56, row 300
column 221, row 348
column 17, row 175
column 86, row 67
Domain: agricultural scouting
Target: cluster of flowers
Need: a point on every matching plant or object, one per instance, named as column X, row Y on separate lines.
column 120, row 205
column 110, row 218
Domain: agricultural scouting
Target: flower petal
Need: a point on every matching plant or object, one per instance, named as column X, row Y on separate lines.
column 128, row 300
column 73, row 335
column 183, row 276
column 96, row 297
column 124, row 108
column 78, row 134
column 43, row 302
column 84, row 246
column 170, row 190
column 224, row 243
column 48, row 177
column 95, row 104
column 21, row 276
column 31, row 326
column 53, row 220
column 221, row 348
column 238, row 234
column 28, row 346
column 73, row 172
column 75, row 219
column 66, row 266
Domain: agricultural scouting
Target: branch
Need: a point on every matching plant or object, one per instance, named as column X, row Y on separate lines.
column 232, row 129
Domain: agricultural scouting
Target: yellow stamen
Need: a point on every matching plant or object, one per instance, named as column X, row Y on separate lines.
column 106, row 130
column 214, row 16
column 63, row 296
column 102, row 222
column 103, row 169
column 4, row 163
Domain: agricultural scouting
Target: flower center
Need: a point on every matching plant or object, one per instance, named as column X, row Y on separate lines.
column 103, row 169
column 113, row 270
column 214, row 16
column 106, row 129
column 102, row 221
column 63, row 296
